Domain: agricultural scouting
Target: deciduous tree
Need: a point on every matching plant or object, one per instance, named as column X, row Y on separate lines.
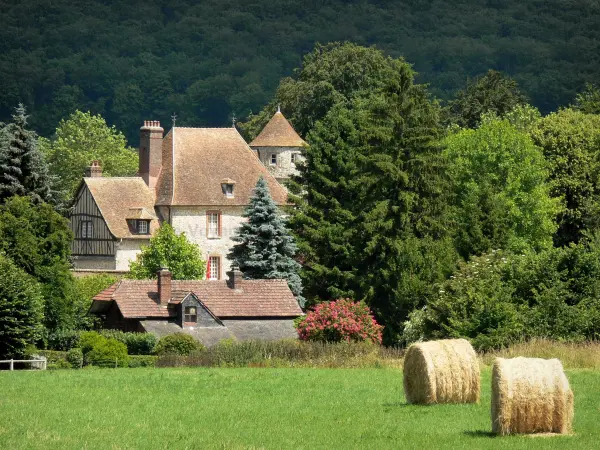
column 170, row 250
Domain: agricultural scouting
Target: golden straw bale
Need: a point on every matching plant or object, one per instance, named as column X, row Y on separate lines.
column 530, row 395
column 444, row 371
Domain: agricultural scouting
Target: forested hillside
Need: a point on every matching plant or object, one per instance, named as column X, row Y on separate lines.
column 206, row 61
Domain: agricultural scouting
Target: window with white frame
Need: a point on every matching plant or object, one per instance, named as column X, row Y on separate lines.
column 142, row 227
column 87, row 229
column 213, row 224
column 214, row 270
column 273, row 159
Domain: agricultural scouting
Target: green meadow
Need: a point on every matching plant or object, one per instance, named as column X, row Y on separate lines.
column 255, row 408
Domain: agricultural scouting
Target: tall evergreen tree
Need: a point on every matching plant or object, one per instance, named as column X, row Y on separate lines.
column 23, row 169
column 266, row 249
column 371, row 220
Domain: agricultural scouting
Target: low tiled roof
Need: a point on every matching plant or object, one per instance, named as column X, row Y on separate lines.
column 278, row 133
column 204, row 157
column 115, row 196
column 256, row 298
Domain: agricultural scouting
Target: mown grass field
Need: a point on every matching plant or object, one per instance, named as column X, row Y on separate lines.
column 256, row 408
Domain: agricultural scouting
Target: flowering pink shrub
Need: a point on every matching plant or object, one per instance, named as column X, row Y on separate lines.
column 340, row 320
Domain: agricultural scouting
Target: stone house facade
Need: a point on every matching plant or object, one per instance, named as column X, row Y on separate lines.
column 199, row 180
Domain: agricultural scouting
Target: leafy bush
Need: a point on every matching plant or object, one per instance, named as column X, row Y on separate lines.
column 88, row 340
column 142, row 360
column 108, row 352
column 500, row 298
column 137, row 343
column 75, row 358
column 177, row 344
column 341, row 320
column 63, row 339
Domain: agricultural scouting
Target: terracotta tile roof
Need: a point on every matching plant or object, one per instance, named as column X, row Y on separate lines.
column 204, row 157
column 116, row 196
column 278, row 133
column 257, row 298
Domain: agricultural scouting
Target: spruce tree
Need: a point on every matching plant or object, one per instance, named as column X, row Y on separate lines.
column 266, row 249
column 23, row 169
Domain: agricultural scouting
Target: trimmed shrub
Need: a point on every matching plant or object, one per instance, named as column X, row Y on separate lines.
column 177, row 344
column 340, row 320
column 75, row 358
column 108, row 353
column 88, row 340
column 137, row 343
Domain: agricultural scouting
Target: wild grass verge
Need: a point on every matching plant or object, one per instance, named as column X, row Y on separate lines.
column 582, row 355
column 288, row 353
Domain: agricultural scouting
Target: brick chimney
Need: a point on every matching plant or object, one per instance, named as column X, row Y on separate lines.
column 164, row 286
column 235, row 278
column 95, row 170
column 151, row 134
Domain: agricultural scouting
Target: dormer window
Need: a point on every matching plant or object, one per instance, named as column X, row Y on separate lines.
column 190, row 315
column 227, row 185
column 143, row 226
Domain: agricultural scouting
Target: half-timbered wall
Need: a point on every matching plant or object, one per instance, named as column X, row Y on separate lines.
column 101, row 241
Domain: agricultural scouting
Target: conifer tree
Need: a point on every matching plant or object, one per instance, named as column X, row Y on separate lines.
column 266, row 249
column 23, row 170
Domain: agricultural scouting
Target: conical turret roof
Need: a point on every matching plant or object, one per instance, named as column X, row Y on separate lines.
column 278, row 133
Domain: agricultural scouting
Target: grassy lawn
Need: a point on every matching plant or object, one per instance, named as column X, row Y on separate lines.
column 256, row 408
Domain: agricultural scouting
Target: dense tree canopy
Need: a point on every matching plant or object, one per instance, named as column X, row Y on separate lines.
column 136, row 60
column 370, row 222
column 571, row 144
column 38, row 240
column 78, row 141
column 493, row 93
column 500, row 191
column 170, row 250
column 21, row 310
column 23, row 168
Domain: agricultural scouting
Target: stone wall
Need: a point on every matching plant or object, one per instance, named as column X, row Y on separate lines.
column 284, row 167
column 127, row 250
column 192, row 221
column 98, row 263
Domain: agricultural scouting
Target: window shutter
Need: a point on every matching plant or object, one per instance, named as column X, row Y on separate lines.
column 207, row 221
column 219, row 220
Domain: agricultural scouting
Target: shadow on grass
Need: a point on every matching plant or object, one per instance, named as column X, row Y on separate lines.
column 480, row 433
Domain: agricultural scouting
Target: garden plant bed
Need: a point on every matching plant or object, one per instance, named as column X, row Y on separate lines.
column 256, row 408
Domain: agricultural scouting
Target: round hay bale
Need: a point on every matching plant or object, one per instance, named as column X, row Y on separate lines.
column 530, row 395
column 444, row 371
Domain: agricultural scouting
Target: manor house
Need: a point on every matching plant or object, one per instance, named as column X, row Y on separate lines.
column 199, row 180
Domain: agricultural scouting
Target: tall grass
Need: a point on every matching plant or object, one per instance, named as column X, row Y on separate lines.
column 288, row 353
column 584, row 355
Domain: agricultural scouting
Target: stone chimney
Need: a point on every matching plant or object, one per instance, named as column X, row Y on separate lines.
column 95, row 170
column 151, row 135
column 235, row 278
column 164, row 286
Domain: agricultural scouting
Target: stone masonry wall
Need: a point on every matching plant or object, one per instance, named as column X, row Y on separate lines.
column 192, row 221
column 127, row 250
column 284, row 167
